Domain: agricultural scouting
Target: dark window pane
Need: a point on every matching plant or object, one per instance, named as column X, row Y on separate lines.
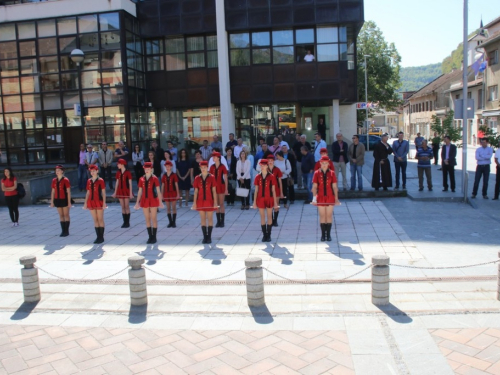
column 109, row 21
column 212, row 59
column 176, row 62
column 174, row 45
column 36, row 156
column 113, row 95
column 115, row 133
column 49, row 64
column 304, row 36
column 240, row 57
column 131, row 78
column 10, row 86
column 130, row 41
column 111, row 59
column 34, row 138
column 89, row 42
column 8, row 32
column 16, row 138
column 134, row 60
column 239, row 40
column 29, row 66
column 282, row 37
column 154, row 47
column 110, row 40
column 46, row 28
column 195, row 43
column 17, row 156
column 9, row 68
column 94, row 134
column 155, row 63
column 69, row 81
column 66, row 45
column 343, row 34
column 29, row 84
column 8, row 50
column 87, row 24
column 212, row 42
column 261, row 56
column 283, row 55
column 261, row 39
column 26, row 30
column 196, row 60
column 32, row 103
column 67, row 63
column 343, row 52
column 47, row 46
column 66, row 26
column 140, row 81
column 51, row 101
column 27, row 49
column 33, row 120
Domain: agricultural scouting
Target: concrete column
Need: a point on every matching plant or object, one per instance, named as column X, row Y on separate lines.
column 226, row 108
column 498, row 280
column 335, row 120
column 30, row 280
column 255, row 282
column 137, row 281
column 380, row 279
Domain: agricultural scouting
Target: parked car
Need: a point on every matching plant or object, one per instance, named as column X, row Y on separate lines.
column 374, row 139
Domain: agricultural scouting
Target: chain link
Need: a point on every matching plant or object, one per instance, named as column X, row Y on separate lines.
column 84, row 281
column 194, row 281
column 317, row 281
column 444, row 268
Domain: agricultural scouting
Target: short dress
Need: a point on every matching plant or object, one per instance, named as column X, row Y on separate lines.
column 95, row 201
column 265, row 192
column 278, row 175
column 60, row 187
column 170, row 194
column 325, row 195
column 183, row 167
column 123, row 180
column 149, row 197
column 219, row 174
column 205, row 199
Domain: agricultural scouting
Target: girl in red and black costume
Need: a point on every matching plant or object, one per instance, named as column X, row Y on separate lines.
column 323, row 152
column 95, row 201
column 276, row 172
column 219, row 171
column 170, row 193
column 9, row 187
column 123, row 190
column 325, row 192
column 205, row 200
column 265, row 198
column 61, row 198
column 149, row 198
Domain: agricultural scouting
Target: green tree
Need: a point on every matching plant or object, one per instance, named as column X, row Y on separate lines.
column 447, row 127
column 383, row 69
column 493, row 138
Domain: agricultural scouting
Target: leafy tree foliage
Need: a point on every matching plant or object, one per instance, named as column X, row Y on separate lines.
column 447, row 127
column 493, row 138
column 383, row 68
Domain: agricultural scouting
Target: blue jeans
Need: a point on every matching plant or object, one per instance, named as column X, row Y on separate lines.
column 82, row 176
column 400, row 168
column 484, row 172
column 356, row 169
column 307, row 181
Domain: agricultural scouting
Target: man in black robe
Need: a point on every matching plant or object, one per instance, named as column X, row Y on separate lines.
column 382, row 167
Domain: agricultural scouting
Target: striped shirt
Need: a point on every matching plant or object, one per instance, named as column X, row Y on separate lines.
column 424, row 153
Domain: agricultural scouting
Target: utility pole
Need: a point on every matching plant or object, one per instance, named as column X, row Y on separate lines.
column 366, row 99
column 465, row 122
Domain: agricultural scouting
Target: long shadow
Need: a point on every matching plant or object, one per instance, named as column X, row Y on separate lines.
column 280, row 252
column 213, row 252
column 96, row 252
column 51, row 249
column 346, row 252
column 23, row 311
column 395, row 314
column 138, row 314
column 152, row 254
column 261, row 314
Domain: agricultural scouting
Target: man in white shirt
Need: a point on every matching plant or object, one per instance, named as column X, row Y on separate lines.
column 282, row 142
column 222, row 161
column 237, row 149
column 309, row 57
column 319, row 144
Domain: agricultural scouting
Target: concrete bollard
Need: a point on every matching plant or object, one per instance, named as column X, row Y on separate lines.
column 137, row 281
column 31, row 282
column 498, row 279
column 255, row 282
column 380, row 280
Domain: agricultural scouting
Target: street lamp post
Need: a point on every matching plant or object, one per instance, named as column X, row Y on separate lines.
column 465, row 122
column 77, row 56
column 366, row 99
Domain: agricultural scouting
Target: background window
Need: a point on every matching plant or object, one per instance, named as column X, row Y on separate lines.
column 282, row 37
column 261, row 39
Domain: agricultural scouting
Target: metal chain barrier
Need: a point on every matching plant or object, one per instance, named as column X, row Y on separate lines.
column 318, row 281
column 194, row 281
column 83, row 281
column 444, row 268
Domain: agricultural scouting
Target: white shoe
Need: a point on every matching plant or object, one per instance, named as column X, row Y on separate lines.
column 13, row 225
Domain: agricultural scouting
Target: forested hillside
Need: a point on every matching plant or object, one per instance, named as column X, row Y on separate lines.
column 415, row 77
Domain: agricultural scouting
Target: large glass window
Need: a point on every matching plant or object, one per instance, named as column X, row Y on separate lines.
column 10, row 86
column 109, row 21
column 66, row 26
column 212, row 59
column 87, row 24
column 49, row 64
column 27, row 49
column 110, row 40
column 46, row 28
column 174, row 48
column 8, row 50
column 89, row 42
column 9, row 68
column 11, row 103
column 26, row 30
column 261, row 55
column 8, row 31
column 66, row 45
column 29, row 84
column 284, row 54
column 47, row 46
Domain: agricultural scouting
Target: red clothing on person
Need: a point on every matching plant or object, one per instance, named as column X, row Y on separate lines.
column 8, row 183
column 205, row 199
column 318, row 165
column 265, row 197
column 149, row 197
column 60, row 187
column 123, row 190
column 218, row 174
column 169, row 192
column 95, row 201
column 324, row 180
column 276, row 172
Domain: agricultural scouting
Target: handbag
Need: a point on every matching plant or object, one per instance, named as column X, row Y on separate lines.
column 242, row 192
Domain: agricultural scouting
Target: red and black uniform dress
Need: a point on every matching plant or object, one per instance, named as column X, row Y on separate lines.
column 330, row 165
column 170, row 194
column 218, row 174
column 265, row 194
column 276, row 172
column 123, row 178
column 60, row 187
column 205, row 199
column 149, row 197
column 325, row 195
column 95, row 201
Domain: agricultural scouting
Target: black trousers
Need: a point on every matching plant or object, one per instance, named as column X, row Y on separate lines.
column 497, row 183
column 481, row 171
column 13, row 205
column 232, row 193
column 105, row 171
column 448, row 170
column 435, row 151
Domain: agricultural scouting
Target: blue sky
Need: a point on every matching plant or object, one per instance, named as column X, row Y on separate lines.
column 426, row 31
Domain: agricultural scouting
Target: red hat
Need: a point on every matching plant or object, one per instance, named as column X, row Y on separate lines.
column 217, row 154
column 204, row 163
column 271, row 157
column 168, row 162
column 59, row 166
column 323, row 150
column 324, row 158
column 122, row 161
column 263, row 162
column 93, row 167
column 148, row 164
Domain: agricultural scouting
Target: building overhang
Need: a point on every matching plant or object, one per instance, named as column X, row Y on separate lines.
column 490, row 113
column 61, row 8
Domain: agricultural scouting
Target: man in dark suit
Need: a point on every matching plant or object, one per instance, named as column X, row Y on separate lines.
column 448, row 157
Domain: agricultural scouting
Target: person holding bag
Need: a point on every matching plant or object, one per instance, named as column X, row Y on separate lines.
column 243, row 174
column 138, row 159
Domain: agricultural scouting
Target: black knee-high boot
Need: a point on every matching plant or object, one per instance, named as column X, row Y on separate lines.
column 264, row 233
column 323, row 231
column 101, row 233
column 126, row 224
column 66, row 228
column 209, row 234
column 269, row 229
column 150, row 234
column 97, row 232
column 63, row 229
column 169, row 221
column 275, row 218
column 153, row 235
column 204, row 230
column 124, row 216
column 217, row 225
column 174, row 217
column 222, row 218
column 328, row 231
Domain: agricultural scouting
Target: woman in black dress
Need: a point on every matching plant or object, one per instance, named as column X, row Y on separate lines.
column 184, row 174
column 195, row 165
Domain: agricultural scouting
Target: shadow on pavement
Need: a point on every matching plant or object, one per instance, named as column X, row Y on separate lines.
column 95, row 253
column 23, row 311
column 346, row 252
column 51, row 249
column 279, row 252
column 152, row 254
column 138, row 314
column 395, row 314
column 261, row 314
column 213, row 252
